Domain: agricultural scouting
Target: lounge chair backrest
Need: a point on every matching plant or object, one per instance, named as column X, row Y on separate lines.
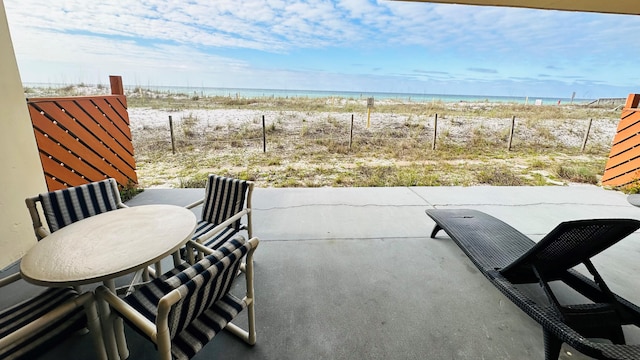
column 224, row 197
column 570, row 244
column 200, row 291
column 66, row 206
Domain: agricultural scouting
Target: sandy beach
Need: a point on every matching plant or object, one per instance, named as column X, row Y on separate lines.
column 311, row 148
column 569, row 132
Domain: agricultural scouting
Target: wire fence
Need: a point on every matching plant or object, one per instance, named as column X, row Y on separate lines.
column 343, row 132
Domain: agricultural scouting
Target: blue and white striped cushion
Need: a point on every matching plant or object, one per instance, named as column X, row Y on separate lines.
column 66, row 206
column 148, row 296
column 206, row 306
column 218, row 239
column 221, row 251
column 185, row 344
column 201, row 314
column 23, row 313
column 194, row 337
column 224, row 197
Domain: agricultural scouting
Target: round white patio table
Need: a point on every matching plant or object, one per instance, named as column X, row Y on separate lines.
column 105, row 246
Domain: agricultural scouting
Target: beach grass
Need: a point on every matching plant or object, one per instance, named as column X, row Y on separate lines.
column 313, row 142
column 530, row 112
column 308, row 144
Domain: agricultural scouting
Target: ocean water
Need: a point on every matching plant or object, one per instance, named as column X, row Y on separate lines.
column 280, row 93
column 413, row 97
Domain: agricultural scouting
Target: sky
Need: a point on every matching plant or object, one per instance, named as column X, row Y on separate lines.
column 337, row 45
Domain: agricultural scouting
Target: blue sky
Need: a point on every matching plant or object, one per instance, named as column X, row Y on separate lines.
column 348, row 45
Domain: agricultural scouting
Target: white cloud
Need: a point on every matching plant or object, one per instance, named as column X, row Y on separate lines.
column 278, row 25
column 254, row 37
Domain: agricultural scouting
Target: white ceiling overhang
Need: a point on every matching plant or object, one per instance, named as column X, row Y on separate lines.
column 631, row 7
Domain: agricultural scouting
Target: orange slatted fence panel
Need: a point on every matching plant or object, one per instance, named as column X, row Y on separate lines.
column 623, row 166
column 84, row 138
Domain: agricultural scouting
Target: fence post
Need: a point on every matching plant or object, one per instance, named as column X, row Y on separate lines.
column 173, row 140
column 264, row 136
column 116, row 85
column 435, row 132
column 633, row 101
column 351, row 133
column 586, row 136
column 513, row 124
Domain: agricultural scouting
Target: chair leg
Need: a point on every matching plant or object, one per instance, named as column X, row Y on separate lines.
column 552, row 346
column 164, row 344
column 176, row 259
column 145, row 275
column 112, row 327
column 435, row 231
column 106, row 322
column 93, row 322
column 158, row 268
column 251, row 314
column 250, row 294
column 190, row 256
column 617, row 336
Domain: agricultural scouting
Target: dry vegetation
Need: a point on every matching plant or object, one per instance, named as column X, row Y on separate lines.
column 309, row 143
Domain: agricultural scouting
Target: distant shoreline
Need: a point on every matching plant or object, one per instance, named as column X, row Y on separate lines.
column 289, row 93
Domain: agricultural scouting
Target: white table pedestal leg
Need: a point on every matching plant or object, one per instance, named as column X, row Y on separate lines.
column 107, row 329
column 116, row 339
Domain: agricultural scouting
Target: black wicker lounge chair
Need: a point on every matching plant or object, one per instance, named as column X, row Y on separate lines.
column 508, row 258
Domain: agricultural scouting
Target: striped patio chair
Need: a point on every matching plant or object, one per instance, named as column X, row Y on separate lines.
column 29, row 328
column 184, row 309
column 225, row 203
column 66, row 206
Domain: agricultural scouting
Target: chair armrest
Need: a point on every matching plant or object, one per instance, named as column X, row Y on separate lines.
column 42, row 232
column 10, row 279
column 45, row 320
column 192, row 205
column 202, row 250
column 126, row 310
column 247, row 269
column 223, row 225
column 209, row 251
column 200, row 247
column 38, row 227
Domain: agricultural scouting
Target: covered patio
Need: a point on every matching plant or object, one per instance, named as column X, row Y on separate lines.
column 351, row 273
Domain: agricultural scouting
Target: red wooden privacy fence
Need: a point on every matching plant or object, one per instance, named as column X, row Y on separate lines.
column 623, row 166
column 84, row 138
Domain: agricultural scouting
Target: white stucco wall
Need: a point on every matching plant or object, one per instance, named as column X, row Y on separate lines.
column 20, row 169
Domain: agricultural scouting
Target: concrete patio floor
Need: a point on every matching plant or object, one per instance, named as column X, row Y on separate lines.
column 351, row 273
